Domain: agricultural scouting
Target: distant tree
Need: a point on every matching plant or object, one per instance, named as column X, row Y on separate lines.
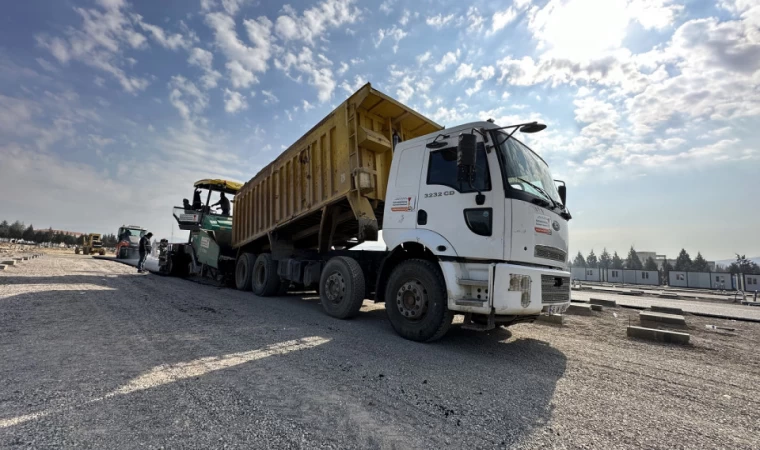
column 617, row 261
column 721, row 268
column 579, row 261
column 4, row 229
column 650, row 264
column 665, row 269
column 69, row 239
column 683, row 262
column 16, row 230
column 591, row 260
column 28, row 233
column 605, row 261
column 744, row 265
column 699, row 264
column 633, row 262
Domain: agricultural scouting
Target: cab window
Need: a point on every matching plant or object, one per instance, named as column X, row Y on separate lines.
column 442, row 169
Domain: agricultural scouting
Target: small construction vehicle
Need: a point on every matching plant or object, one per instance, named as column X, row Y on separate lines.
column 90, row 244
column 208, row 251
column 129, row 241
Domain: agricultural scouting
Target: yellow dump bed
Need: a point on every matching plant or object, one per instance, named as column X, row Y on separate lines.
column 328, row 188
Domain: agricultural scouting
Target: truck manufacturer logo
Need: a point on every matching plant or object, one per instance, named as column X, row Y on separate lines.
column 555, row 225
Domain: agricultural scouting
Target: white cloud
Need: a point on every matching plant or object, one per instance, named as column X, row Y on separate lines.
column 270, row 99
column 423, row 58
column 501, row 19
column 465, row 71
column 185, row 96
column 342, row 69
column 475, row 88
column 449, row 59
column 307, row 106
column 315, row 21
column 475, row 21
column 172, row 42
column 318, row 71
column 46, row 65
column 387, row 6
column 243, row 61
column 350, row 88
column 582, row 29
column 204, row 59
column 439, row 21
column 99, row 43
column 239, row 76
column 405, row 17
column 232, row 6
column 234, row 101
column 394, row 33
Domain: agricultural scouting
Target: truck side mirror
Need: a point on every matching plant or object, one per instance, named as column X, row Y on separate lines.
column 562, row 191
column 466, row 157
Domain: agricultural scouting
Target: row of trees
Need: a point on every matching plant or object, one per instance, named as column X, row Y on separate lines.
column 17, row 230
column 682, row 263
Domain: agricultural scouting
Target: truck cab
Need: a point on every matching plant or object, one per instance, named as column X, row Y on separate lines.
column 499, row 232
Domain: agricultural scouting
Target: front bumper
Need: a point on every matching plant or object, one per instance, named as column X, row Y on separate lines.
column 512, row 289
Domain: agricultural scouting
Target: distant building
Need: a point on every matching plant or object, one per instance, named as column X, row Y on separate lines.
column 76, row 234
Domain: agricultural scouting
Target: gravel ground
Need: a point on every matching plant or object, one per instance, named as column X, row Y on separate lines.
column 96, row 356
column 724, row 308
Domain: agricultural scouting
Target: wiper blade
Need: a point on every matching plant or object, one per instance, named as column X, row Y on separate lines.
column 541, row 191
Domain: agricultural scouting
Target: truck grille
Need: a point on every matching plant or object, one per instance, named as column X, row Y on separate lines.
column 551, row 293
column 555, row 254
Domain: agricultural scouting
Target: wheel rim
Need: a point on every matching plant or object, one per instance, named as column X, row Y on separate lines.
column 335, row 287
column 412, row 300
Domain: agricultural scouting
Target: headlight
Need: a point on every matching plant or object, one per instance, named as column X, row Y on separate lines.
column 521, row 283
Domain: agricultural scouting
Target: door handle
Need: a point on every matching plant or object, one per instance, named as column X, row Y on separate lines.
column 422, row 217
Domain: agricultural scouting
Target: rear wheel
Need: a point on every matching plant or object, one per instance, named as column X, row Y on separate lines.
column 415, row 300
column 341, row 287
column 265, row 281
column 244, row 271
column 76, row 251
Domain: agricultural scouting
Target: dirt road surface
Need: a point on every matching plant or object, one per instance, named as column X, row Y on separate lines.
column 94, row 355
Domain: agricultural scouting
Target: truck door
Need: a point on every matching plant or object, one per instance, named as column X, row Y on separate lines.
column 449, row 207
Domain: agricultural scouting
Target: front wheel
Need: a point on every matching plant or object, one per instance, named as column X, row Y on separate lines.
column 415, row 300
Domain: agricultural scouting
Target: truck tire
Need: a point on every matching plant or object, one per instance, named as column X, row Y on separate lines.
column 244, row 271
column 416, row 301
column 341, row 287
column 76, row 251
column 265, row 281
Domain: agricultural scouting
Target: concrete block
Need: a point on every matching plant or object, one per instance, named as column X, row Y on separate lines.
column 603, row 302
column 579, row 310
column 2, row 267
column 25, row 258
column 666, row 309
column 9, row 263
column 557, row 319
column 599, row 308
column 651, row 334
column 670, row 296
column 674, row 319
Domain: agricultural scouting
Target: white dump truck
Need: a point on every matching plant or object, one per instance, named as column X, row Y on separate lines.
column 473, row 221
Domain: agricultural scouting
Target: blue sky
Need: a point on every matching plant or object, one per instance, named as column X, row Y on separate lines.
column 109, row 109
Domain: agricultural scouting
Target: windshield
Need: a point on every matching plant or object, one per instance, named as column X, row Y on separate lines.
column 133, row 232
column 524, row 170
